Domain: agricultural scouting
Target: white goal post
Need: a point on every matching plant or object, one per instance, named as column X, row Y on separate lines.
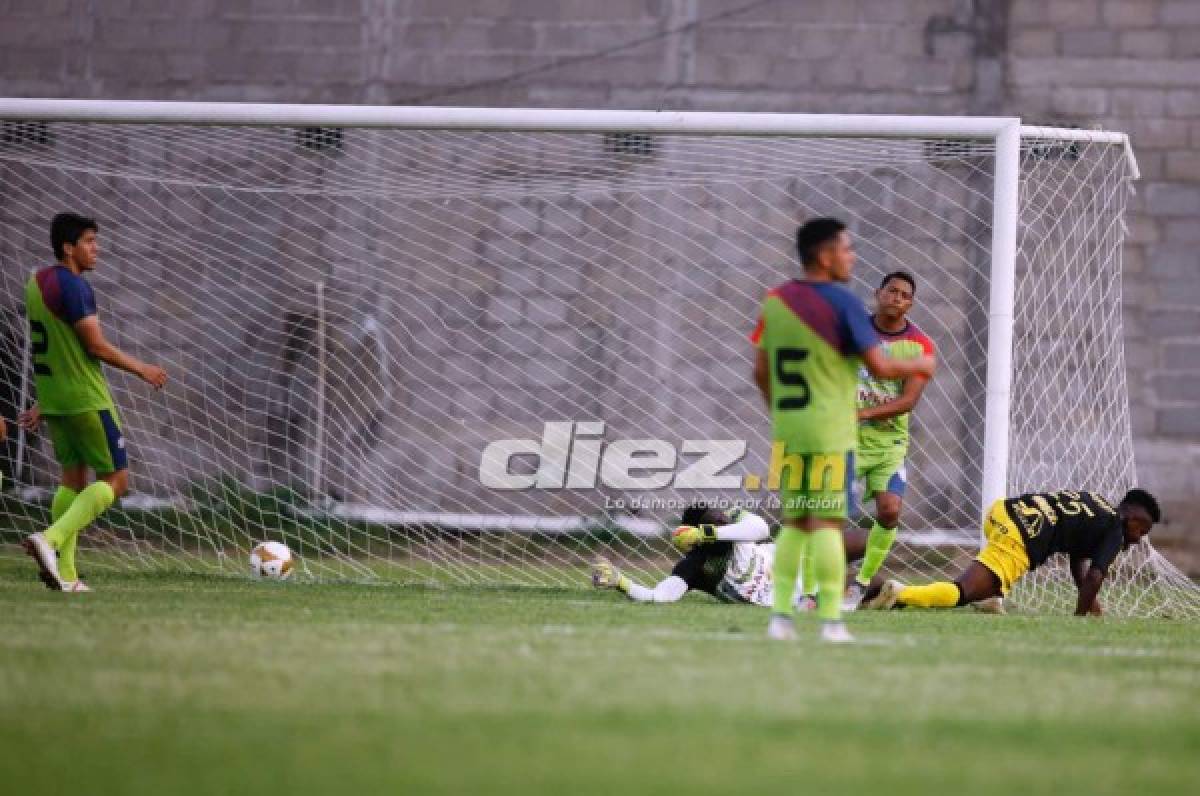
column 527, row 185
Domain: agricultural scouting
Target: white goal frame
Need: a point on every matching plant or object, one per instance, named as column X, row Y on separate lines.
column 1005, row 132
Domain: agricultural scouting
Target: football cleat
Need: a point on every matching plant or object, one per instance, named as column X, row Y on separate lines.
column 852, row 598
column 992, row 605
column 886, row 599
column 836, row 633
column 781, row 628
column 38, row 547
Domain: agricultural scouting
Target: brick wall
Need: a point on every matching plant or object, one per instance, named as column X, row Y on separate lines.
column 1132, row 65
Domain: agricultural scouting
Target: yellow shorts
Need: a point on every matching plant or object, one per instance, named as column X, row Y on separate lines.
column 1004, row 554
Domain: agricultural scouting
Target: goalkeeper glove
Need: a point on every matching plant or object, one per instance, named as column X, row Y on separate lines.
column 685, row 537
column 604, row 574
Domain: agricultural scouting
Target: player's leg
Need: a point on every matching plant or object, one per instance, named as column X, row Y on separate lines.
column 998, row 566
column 98, row 438
column 45, row 548
column 814, row 517
column 887, row 484
column 74, row 479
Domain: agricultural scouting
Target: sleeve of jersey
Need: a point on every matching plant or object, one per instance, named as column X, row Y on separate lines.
column 78, row 300
column 1110, row 545
column 860, row 334
column 746, row 527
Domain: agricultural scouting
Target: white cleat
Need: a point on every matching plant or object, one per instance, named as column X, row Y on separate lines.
column 781, row 628
column 836, row 633
column 853, row 598
column 75, row 586
column 604, row 574
column 805, row 603
column 886, row 599
column 37, row 546
column 992, row 605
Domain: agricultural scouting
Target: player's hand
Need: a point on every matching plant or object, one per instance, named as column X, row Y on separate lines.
column 153, row 375
column 604, row 574
column 685, row 537
column 3, row 429
column 30, row 418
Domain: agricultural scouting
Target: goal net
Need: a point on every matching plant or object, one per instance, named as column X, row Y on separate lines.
column 487, row 356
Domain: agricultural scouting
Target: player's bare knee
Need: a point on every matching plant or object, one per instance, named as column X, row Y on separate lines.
column 119, row 481
column 887, row 509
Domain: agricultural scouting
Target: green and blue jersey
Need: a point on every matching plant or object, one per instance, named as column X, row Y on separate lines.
column 892, row 432
column 67, row 378
column 814, row 334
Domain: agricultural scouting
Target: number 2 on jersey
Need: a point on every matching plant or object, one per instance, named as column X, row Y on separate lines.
column 39, row 344
column 792, row 377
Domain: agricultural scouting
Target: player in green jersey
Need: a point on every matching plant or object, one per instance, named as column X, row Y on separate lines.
column 68, row 348
column 811, row 336
column 884, row 406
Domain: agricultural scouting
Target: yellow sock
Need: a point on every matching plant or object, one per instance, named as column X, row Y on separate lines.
column 87, row 506
column 63, row 499
column 934, row 595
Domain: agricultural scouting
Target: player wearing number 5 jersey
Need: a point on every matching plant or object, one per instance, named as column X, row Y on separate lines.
column 68, row 348
column 1022, row 532
column 811, row 336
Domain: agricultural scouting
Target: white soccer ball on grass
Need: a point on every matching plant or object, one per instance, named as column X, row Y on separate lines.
column 271, row 560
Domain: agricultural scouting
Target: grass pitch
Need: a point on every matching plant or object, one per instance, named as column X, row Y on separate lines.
column 179, row 685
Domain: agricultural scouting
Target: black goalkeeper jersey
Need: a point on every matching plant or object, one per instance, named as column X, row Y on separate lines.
column 1080, row 524
column 703, row 567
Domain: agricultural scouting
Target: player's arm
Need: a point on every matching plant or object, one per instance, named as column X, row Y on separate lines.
column 1089, row 589
column 762, row 375
column 668, row 590
column 903, row 403
column 94, row 342
column 881, row 366
column 1102, row 558
column 746, row 527
column 1079, row 572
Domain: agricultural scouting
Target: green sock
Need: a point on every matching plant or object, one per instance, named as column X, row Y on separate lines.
column 789, row 551
column 87, row 506
column 810, row 572
column 63, row 498
column 879, row 544
column 830, row 563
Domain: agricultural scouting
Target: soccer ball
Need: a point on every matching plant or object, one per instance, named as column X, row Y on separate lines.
column 271, row 560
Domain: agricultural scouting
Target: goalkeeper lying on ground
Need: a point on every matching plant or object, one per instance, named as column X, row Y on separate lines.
column 729, row 555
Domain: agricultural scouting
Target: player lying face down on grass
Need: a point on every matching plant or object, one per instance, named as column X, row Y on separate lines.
column 1023, row 532
column 727, row 554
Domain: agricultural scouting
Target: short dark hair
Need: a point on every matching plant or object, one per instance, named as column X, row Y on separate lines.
column 69, row 228
column 814, row 234
column 1140, row 497
column 902, row 275
column 699, row 513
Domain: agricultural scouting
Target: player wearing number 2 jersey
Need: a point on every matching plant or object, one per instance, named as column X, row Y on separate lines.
column 68, row 347
column 1022, row 532
column 811, row 335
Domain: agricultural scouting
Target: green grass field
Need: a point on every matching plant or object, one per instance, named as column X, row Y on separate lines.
column 162, row 684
